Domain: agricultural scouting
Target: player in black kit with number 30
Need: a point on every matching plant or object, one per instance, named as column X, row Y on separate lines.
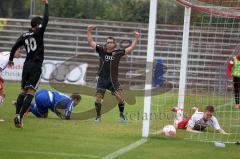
column 32, row 68
column 108, row 70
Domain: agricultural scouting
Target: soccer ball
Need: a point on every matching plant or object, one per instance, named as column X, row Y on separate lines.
column 169, row 130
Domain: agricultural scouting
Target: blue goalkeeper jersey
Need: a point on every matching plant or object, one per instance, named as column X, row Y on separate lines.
column 61, row 101
column 54, row 101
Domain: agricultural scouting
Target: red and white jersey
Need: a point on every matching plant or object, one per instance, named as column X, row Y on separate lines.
column 4, row 57
column 197, row 123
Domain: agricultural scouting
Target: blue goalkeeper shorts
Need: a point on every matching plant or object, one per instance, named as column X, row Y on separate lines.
column 42, row 104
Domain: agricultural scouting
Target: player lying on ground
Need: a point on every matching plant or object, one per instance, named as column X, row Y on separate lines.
column 108, row 70
column 59, row 103
column 199, row 121
column 4, row 56
column 32, row 68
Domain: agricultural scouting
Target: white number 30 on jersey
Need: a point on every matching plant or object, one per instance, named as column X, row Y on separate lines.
column 31, row 44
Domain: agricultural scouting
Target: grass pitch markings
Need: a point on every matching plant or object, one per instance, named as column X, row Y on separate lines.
column 125, row 149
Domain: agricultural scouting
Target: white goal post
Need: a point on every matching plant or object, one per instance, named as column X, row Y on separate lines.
column 149, row 67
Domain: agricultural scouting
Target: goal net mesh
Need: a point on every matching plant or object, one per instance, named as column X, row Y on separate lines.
column 212, row 42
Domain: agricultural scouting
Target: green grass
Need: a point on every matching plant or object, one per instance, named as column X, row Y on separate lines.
column 55, row 138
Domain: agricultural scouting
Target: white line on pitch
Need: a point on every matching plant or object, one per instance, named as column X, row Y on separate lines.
column 50, row 153
column 125, row 149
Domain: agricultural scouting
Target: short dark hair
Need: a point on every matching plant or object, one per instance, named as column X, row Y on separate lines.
column 36, row 21
column 111, row 38
column 76, row 96
column 209, row 108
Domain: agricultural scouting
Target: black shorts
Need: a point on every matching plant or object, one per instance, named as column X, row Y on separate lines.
column 107, row 83
column 31, row 78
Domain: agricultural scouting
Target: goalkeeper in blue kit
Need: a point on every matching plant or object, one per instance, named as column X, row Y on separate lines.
column 59, row 103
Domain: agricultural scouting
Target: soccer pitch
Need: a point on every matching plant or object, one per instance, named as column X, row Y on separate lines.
column 60, row 139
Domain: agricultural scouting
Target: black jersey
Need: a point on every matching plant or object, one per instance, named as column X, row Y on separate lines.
column 109, row 62
column 33, row 43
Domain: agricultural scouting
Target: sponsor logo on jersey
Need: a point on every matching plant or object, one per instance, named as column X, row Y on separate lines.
column 27, row 34
column 108, row 58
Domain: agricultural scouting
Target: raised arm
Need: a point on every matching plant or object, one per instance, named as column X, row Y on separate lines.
column 129, row 49
column 45, row 16
column 91, row 42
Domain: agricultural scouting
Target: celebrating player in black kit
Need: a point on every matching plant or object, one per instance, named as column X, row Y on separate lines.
column 32, row 68
column 108, row 70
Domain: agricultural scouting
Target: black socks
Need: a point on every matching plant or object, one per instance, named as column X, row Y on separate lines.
column 121, row 106
column 26, row 104
column 98, row 108
column 19, row 103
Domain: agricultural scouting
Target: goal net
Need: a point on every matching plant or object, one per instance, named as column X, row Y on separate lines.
column 212, row 42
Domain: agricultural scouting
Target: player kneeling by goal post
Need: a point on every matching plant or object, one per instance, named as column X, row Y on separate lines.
column 199, row 121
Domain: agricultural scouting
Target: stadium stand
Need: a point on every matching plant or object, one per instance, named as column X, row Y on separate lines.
column 66, row 38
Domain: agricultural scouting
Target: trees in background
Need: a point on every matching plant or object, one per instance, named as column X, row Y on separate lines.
column 119, row 10
column 14, row 8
